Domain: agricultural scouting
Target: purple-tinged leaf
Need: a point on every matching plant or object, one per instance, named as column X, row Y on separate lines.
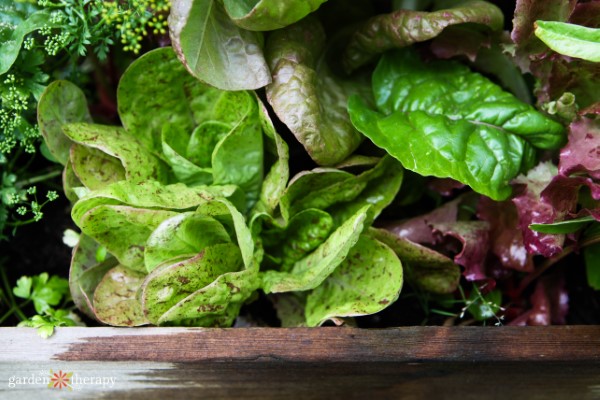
column 418, row 229
column 582, row 152
column 474, row 237
column 506, row 239
column 532, row 210
column 405, row 27
column 550, row 304
column 562, row 193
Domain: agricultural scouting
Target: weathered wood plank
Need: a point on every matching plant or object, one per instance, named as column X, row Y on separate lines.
column 413, row 363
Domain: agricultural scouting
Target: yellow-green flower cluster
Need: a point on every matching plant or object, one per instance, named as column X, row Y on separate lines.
column 134, row 19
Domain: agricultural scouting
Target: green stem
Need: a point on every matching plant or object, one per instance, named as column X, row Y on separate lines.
column 39, row 178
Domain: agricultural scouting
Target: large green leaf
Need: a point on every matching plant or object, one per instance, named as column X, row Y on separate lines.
column 307, row 96
column 214, row 49
column 405, row 27
column 267, row 15
column 569, row 39
column 441, row 119
column 61, row 103
column 368, row 281
column 156, row 90
column 93, row 168
column 313, row 269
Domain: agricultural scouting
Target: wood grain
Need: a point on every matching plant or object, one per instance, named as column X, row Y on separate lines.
column 263, row 363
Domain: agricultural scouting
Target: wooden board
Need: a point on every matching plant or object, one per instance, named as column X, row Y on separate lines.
column 329, row 363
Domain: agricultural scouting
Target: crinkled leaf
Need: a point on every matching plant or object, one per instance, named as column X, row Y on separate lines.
column 138, row 163
column 424, row 267
column 569, row 39
column 181, row 237
column 214, row 49
column 115, row 301
column 533, row 211
column 581, row 154
column 10, row 47
column 528, row 11
column 506, row 239
column 268, row 15
column 443, row 120
column 156, row 90
column 86, row 273
column 366, row 282
column 405, row 27
column 313, row 269
column 474, row 238
column 561, row 195
column 61, row 103
column 307, row 96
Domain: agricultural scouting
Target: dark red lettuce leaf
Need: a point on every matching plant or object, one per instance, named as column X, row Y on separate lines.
column 474, row 238
column 582, row 152
column 460, row 41
column 506, row 239
column 586, row 14
column 444, row 186
column 562, row 194
column 533, row 210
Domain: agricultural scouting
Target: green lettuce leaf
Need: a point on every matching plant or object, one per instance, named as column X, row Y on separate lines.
column 570, row 39
column 115, row 301
column 61, row 103
column 443, row 120
column 405, row 27
column 268, row 15
column 214, row 49
column 307, row 96
column 313, row 269
column 108, row 154
column 368, row 280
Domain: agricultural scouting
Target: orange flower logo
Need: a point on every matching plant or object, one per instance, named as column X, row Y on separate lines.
column 59, row 380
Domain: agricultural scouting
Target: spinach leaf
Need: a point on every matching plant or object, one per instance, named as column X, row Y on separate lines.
column 268, row 15
column 441, row 119
column 570, row 39
column 405, row 27
column 214, row 49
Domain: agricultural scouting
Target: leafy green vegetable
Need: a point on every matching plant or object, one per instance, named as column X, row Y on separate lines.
column 404, row 27
column 214, row 49
column 591, row 255
column 443, row 120
column 568, row 226
column 46, row 323
column 268, row 15
column 570, row 39
column 307, row 96
column 367, row 281
column 61, row 103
